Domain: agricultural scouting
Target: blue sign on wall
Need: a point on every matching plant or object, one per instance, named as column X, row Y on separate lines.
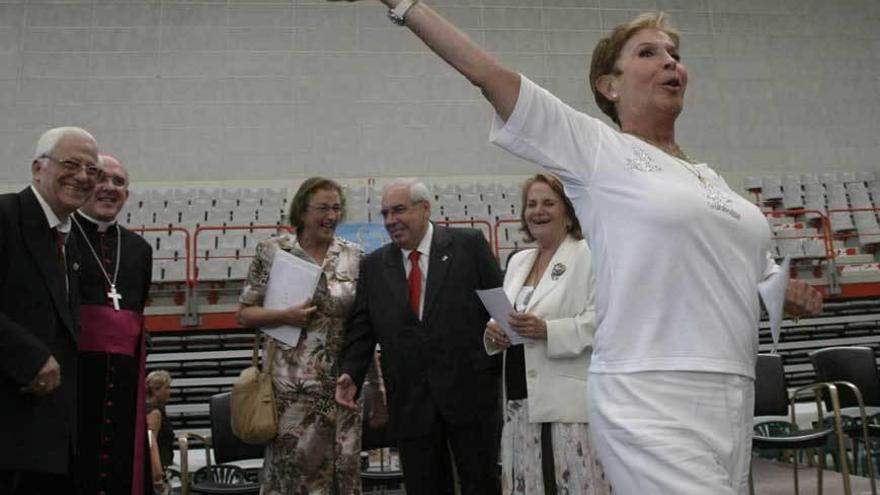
column 370, row 236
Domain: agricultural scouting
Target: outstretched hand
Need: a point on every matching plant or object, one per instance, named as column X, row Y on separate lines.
column 346, row 391
column 802, row 299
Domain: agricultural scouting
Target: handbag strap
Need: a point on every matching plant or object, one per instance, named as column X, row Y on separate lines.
column 270, row 357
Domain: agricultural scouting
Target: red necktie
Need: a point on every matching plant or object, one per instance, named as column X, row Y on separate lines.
column 415, row 282
column 59, row 245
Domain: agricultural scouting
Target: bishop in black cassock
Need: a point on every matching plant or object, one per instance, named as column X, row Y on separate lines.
column 113, row 456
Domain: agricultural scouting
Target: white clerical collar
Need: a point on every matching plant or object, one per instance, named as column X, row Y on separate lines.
column 102, row 225
column 51, row 217
column 424, row 247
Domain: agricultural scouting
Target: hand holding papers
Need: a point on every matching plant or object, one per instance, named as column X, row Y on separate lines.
column 499, row 308
column 292, row 281
column 772, row 291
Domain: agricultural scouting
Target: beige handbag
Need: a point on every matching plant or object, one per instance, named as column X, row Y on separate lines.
column 252, row 404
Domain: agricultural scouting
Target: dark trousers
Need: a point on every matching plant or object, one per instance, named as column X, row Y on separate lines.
column 427, row 469
column 33, row 483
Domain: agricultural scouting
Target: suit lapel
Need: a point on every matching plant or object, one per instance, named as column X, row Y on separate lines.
column 559, row 265
column 40, row 242
column 438, row 267
column 395, row 276
column 518, row 276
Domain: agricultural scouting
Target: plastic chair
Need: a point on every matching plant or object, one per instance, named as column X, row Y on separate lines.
column 220, row 478
column 771, row 399
column 854, row 371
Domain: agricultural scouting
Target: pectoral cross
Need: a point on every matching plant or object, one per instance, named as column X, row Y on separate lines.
column 115, row 296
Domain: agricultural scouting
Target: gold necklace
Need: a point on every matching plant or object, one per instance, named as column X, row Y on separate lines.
column 689, row 165
column 681, row 158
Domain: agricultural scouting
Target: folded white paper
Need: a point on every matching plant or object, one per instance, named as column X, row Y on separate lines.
column 292, row 281
column 772, row 291
column 499, row 308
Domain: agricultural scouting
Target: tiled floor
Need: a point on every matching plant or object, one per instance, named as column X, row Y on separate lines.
column 775, row 478
column 770, row 477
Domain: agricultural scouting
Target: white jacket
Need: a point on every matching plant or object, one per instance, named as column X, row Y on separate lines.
column 556, row 368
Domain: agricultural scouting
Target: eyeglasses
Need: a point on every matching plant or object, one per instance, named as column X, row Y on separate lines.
column 116, row 180
column 396, row 210
column 324, row 209
column 73, row 167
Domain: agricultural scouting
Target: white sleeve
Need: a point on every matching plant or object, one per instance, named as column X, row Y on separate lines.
column 546, row 131
column 569, row 337
column 770, row 266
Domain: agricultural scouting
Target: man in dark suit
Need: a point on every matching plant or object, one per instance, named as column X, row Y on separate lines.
column 38, row 315
column 415, row 297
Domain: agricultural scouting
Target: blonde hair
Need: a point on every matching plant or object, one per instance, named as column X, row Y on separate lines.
column 608, row 49
column 156, row 380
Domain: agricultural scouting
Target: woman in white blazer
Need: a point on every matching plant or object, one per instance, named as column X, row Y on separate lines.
column 545, row 446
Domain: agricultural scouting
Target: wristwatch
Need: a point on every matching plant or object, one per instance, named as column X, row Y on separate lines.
column 398, row 14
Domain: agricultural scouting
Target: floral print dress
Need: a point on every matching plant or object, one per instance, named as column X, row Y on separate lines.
column 317, row 450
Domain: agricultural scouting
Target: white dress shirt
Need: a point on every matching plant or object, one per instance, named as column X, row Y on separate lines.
column 424, row 249
column 55, row 223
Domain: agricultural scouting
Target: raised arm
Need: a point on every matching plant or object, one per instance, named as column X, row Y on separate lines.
column 499, row 84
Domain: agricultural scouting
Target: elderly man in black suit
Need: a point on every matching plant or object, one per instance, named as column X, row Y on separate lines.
column 415, row 297
column 38, row 315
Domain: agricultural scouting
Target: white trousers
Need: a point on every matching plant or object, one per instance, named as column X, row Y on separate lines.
column 672, row 432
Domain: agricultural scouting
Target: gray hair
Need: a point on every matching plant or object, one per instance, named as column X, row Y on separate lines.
column 49, row 140
column 418, row 191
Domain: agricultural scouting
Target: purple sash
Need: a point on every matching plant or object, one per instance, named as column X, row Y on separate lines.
column 103, row 329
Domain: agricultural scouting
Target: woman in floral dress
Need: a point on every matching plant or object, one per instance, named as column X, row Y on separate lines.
column 317, row 450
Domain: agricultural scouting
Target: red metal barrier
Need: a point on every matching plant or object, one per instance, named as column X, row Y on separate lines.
column 824, row 228
column 187, row 252
column 498, row 246
column 250, row 228
column 474, row 224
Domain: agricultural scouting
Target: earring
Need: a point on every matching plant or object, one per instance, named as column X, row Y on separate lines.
column 613, row 96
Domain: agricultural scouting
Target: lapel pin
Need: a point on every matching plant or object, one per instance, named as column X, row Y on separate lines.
column 75, row 266
column 557, row 271
column 444, row 258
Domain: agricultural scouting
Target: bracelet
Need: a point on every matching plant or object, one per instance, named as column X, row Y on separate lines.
column 397, row 15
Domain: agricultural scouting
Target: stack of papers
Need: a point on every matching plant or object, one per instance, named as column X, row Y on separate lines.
column 292, row 281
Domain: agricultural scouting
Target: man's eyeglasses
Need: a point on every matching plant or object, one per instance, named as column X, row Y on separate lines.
column 116, row 180
column 92, row 170
column 324, row 209
column 397, row 210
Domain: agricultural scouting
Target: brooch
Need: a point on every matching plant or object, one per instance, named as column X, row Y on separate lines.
column 75, row 266
column 557, row 271
column 642, row 161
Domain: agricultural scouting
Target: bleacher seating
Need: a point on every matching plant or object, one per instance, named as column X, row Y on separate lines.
column 854, row 322
column 201, row 364
column 826, row 222
column 214, row 253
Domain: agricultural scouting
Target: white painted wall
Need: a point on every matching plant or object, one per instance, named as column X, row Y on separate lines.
column 257, row 90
